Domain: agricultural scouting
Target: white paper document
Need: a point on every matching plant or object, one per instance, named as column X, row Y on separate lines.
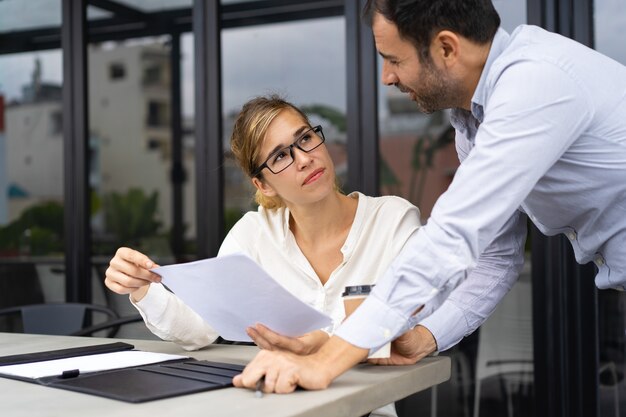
column 87, row 363
column 232, row 292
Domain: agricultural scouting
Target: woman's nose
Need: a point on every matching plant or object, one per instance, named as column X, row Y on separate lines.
column 301, row 158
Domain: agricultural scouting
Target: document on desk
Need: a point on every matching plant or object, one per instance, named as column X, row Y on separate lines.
column 86, row 364
column 233, row 292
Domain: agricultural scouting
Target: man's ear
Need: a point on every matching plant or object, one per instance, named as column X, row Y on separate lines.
column 445, row 47
column 266, row 189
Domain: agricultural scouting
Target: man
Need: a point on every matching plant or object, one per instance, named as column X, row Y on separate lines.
column 540, row 129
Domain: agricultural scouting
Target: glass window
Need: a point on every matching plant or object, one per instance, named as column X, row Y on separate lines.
column 117, row 71
column 31, row 175
column 304, row 62
column 130, row 128
column 156, row 5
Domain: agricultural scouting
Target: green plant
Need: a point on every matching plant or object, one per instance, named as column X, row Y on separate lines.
column 38, row 230
column 131, row 217
column 334, row 116
column 424, row 152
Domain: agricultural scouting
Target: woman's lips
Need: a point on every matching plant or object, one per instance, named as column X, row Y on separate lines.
column 314, row 176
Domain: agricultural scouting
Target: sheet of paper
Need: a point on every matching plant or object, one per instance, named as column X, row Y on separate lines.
column 232, row 292
column 87, row 363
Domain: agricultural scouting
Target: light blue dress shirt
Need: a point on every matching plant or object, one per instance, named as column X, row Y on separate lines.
column 546, row 136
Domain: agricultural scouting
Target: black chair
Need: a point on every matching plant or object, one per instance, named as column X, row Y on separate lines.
column 68, row 319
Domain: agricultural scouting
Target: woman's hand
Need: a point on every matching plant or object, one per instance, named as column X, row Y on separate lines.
column 129, row 273
column 267, row 339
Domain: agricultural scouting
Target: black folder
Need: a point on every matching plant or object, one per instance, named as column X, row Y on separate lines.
column 135, row 384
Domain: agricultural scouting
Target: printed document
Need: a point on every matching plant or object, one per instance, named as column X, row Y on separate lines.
column 233, row 292
column 87, row 363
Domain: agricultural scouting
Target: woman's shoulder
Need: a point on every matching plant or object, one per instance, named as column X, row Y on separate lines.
column 259, row 221
column 389, row 203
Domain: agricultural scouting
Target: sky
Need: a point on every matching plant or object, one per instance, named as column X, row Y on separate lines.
column 303, row 60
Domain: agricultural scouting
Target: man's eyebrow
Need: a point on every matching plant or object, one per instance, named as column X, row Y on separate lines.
column 387, row 56
column 296, row 135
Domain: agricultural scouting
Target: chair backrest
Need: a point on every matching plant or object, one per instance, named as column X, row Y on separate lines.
column 59, row 318
column 505, row 341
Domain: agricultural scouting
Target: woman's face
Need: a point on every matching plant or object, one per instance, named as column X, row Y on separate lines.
column 309, row 179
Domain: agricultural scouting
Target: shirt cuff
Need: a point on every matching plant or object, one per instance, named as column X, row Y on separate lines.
column 447, row 324
column 372, row 325
column 153, row 304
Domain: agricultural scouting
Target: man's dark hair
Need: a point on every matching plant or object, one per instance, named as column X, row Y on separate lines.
column 419, row 20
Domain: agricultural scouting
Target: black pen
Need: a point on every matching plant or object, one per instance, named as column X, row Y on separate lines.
column 259, row 387
column 71, row 373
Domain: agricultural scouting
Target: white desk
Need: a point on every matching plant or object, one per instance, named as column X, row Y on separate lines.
column 355, row 393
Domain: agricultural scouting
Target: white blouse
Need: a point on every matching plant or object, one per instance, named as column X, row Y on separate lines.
column 380, row 229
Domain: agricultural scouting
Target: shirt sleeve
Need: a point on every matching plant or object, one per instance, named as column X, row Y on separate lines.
column 469, row 304
column 524, row 132
column 170, row 319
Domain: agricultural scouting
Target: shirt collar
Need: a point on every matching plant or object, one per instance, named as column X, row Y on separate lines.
column 500, row 40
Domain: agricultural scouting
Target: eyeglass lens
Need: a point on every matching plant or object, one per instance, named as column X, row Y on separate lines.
column 284, row 157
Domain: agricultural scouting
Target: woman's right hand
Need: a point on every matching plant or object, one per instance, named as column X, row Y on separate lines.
column 129, row 273
column 267, row 339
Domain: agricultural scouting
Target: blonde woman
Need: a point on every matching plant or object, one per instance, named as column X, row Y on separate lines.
column 306, row 234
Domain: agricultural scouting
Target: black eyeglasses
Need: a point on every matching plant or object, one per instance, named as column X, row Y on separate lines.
column 281, row 159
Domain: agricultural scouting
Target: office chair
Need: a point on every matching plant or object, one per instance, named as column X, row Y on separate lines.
column 68, row 318
column 505, row 346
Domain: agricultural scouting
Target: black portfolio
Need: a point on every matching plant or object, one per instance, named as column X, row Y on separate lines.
column 134, row 384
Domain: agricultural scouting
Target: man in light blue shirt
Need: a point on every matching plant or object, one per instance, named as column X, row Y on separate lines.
column 541, row 132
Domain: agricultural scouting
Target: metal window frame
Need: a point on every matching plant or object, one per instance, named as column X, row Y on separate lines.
column 208, row 127
column 76, row 152
column 362, row 105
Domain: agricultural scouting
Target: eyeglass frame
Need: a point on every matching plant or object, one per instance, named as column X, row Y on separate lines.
column 316, row 129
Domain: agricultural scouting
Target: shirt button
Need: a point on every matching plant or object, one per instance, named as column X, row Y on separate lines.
column 571, row 235
column 599, row 261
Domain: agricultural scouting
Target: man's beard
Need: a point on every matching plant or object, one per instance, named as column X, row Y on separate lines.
column 435, row 92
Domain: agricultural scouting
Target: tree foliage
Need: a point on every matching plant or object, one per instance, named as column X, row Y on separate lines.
column 131, row 216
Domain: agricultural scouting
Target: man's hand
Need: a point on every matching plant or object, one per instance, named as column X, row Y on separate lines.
column 267, row 339
column 284, row 371
column 409, row 348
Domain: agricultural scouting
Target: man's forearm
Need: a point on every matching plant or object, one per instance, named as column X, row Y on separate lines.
column 336, row 356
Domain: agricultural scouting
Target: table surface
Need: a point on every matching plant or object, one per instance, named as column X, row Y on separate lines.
column 355, row 393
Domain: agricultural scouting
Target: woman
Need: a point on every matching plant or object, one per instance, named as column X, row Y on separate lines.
column 306, row 234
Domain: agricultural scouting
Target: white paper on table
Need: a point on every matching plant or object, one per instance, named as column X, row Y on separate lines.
column 87, row 363
column 233, row 292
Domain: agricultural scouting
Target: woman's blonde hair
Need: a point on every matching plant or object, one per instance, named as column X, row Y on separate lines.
column 249, row 132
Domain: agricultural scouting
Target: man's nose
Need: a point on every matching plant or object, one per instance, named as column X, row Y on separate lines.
column 388, row 77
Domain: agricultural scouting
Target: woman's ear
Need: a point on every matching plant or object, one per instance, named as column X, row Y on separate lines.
column 266, row 189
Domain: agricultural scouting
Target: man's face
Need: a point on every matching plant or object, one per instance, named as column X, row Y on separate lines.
column 428, row 86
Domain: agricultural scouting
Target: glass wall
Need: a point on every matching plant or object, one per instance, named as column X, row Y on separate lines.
column 418, row 162
column 135, row 156
column 609, row 23
column 31, row 164
column 134, row 149
column 302, row 61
